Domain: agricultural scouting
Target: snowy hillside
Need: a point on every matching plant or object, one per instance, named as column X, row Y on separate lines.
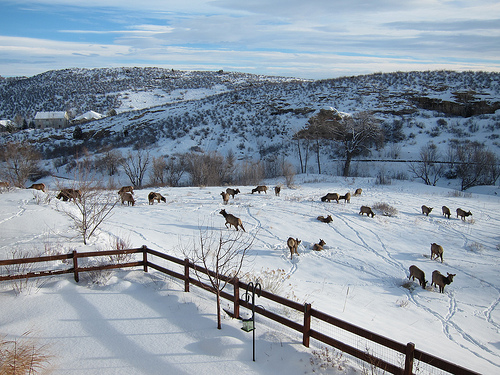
column 361, row 276
column 255, row 117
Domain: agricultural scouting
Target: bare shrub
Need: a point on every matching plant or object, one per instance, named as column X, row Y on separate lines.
column 271, row 281
column 325, row 359
column 24, row 285
column 21, row 162
column 23, row 355
column 385, row 209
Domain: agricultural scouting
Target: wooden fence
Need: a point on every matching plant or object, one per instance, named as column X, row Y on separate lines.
column 408, row 351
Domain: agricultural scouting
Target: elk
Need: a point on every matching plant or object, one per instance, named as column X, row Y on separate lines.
column 232, row 192
column 417, row 273
column 426, row 210
column 439, row 280
column 366, row 210
column 232, row 220
column 277, row 190
column 293, row 244
column 156, row 196
column 446, row 211
column 225, row 197
column 126, row 189
column 4, row 185
column 358, row 192
column 436, row 251
column 330, row 197
column 68, row 194
column 127, row 197
column 40, row 186
column 346, row 198
column 463, row 214
column 327, row 219
column 260, row 188
column 319, row 246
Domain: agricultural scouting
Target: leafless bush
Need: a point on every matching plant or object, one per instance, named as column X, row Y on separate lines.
column 135, row 166
column 325, row 359
column 271, row 281
column 250, row 173
column 24, row 285
column 21, row 162
column 385, row 209
column 23, row 356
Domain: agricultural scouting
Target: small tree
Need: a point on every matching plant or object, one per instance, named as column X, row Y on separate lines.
column 157, row 174
column 354, row 134
column 475, row 165
column 93, row 207
column 221, row 253
column 135, row 166
column 426, row 168
column 21, row 161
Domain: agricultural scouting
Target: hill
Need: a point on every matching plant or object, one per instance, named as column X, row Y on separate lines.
column 172, row 112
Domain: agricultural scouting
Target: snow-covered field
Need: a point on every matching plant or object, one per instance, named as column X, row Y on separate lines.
column 144, row 324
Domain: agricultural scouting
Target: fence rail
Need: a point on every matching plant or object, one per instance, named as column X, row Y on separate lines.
column 408, row 351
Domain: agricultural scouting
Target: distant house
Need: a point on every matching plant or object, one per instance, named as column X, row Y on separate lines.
column 56, row 120
column 87, row 116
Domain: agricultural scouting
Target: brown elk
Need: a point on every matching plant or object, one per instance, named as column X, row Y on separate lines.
column 69, row 194
column 436, row 251
column 463, row 214
column 4, row 185
column 358, row 192
column 439, row 280
column 346, row 198
column 126, row 189
column 446, row 211
column 232, row 220
column 225, row 197
column 366, row 210
column 40, row 186
column 327, row 219
column 293, row 244
column 426, row 210
column 330, row 197
column 319, row 246
column 156, row 196
column 127, row 197
column 260, row 188
column 232, row 192
column 277, row 190
column 417, row 273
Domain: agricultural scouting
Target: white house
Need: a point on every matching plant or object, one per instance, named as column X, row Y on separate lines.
column 56, row 120
column 87, row 116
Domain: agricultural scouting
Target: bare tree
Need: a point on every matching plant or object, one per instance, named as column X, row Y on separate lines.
column 475, row 165
column 208, row 169
column 427, row 167
column 354, row 134
column 21, row 162
column 94, row 204
column 221, row 254
column 110, row 162
column 175, row 168
column 135, row 166
column 158, row 171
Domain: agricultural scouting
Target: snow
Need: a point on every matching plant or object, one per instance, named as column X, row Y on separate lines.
column 143, row 323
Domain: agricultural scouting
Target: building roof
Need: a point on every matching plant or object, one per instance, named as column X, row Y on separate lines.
column 90, row 115
column 50, row 115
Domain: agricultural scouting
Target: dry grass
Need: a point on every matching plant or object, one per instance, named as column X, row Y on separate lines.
column 23, row 356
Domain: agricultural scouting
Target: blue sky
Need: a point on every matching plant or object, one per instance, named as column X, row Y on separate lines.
column 313, row 39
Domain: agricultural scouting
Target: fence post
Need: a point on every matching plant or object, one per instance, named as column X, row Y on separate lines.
column 307, row 325
column 145, row 257
column 186, row 275
column 410, row 355
column 75, row 265
column 236, row 298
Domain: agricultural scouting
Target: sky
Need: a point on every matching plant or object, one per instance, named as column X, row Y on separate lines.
column 316, row 39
